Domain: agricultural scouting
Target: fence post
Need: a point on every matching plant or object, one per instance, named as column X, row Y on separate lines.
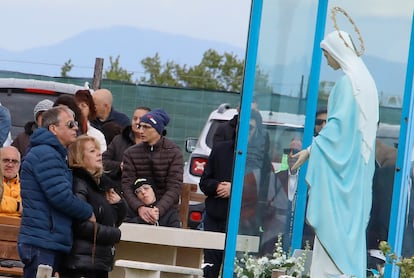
column 97, row 74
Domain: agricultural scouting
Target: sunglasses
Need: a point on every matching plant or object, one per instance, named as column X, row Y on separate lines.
column 72, row 124
column 320, row 121
column 290, row 151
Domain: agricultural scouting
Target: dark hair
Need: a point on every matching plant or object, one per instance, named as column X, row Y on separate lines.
column 257, row 117
column 85, row 96
column 142, row 108
column 110, row 130
column 321, row 111
column 70, row 102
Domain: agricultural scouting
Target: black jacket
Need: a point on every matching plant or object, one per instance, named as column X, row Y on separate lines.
column 112, row 157
column 171, row 218
column 218, row 168
column 108, row 219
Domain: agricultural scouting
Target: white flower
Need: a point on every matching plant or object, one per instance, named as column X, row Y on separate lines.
column 250, row 266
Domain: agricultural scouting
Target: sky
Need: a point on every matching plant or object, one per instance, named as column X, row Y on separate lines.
column 28, row 24
column 43, row 22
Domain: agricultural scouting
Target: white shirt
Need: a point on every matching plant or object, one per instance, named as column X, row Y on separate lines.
column 98, row 135
column 292, row 184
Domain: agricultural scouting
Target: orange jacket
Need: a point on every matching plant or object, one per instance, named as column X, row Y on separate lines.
column 11, row 200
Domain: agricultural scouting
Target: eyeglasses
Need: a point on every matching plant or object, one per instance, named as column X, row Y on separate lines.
column 142, row 188
column 72, row 124
column 10, row 161
column 144, row 127
column 320, row 121
column 290, row 151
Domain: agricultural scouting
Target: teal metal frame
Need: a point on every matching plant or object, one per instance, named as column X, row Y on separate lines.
column 241, row 144
column 309, row 122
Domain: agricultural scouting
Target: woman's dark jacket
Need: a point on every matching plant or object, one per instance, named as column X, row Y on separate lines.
column 108, row 219
column 112, row 157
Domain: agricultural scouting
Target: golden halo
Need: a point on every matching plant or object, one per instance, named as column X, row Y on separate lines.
column 336, row 10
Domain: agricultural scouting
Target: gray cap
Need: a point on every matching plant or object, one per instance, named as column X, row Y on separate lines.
column 42, row 106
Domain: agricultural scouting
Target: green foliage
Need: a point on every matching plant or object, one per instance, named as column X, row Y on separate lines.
column 261, row 85
column 116, row 72
column 215, row 72
column 66, row 68
column 406, row 265
column 158, row 74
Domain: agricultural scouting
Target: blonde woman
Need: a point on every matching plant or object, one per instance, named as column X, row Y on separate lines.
column 93, row 249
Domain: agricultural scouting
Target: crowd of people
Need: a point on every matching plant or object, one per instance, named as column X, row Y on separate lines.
column 79, row 170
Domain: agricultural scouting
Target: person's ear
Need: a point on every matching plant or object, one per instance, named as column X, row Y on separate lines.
column 52, row 128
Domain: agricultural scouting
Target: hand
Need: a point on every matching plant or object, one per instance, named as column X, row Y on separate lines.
column 112, row 196
column 121, row 166
column 155, row 214
column 223, row 189
column 149, row 215
column 302, row 156
column 92, row 218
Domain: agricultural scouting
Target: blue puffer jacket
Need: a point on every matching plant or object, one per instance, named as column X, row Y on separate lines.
column 48, row 201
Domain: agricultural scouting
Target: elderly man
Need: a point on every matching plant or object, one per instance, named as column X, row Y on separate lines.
column 49, row 204
column 11, row 200
column 105, row 113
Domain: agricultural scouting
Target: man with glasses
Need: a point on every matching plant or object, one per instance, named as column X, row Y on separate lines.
column 49, row 204
column 10, row 200
column 282, row 195
column 320, row 121
column 158, row 158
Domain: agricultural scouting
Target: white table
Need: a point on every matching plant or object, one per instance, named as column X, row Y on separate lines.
column 171, row 246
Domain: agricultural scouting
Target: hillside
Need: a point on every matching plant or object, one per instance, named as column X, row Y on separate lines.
column 131, row 44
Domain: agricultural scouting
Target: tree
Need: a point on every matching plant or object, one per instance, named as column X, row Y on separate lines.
column 215, row 72
column 158, row 74
column 116, row 72
column 66, row 68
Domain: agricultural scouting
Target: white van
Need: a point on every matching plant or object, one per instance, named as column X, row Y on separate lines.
column 21, row 95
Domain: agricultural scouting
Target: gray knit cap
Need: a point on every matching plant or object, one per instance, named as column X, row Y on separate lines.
column 42, row 106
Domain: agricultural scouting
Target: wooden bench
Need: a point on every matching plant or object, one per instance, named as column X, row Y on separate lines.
column 9, row 231
column 188, row 194
column 134, row 269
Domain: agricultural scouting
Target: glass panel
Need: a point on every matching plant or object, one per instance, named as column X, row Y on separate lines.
column 386, row 57
column 279, row 108
column 277, row 121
